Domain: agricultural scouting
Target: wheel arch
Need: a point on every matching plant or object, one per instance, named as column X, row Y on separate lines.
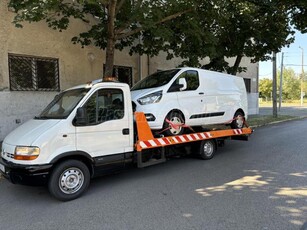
column 178, row 111
column 241, row 111
column 75, row 155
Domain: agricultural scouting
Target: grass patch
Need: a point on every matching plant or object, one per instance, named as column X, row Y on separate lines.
column 286, row 103
column 260, row 120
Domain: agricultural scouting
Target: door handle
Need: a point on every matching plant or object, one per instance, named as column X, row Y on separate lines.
column 201, row 93
column 125, row 131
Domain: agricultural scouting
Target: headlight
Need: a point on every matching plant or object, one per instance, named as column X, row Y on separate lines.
column 26, row 153
column 150, row 98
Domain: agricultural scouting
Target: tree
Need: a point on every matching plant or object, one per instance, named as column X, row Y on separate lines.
column 190, row 29
column 228, row 28
column 250, row 28
column 290, row 84
column 297, row 12
column 114, row 24
column 265, row 88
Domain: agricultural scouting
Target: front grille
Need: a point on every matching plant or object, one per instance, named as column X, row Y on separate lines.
column 9, row 155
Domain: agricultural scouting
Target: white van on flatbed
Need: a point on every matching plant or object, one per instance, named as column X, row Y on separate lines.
column 192, row 96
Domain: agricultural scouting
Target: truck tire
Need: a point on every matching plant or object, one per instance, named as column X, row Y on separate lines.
column 176, row 118
column 69, row 180
column 207, row 149
column 238, row 123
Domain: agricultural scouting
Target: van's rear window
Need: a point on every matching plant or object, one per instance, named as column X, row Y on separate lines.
column 155, row 80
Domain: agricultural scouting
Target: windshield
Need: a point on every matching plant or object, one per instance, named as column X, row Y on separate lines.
column 155, row 80
column 63, row 104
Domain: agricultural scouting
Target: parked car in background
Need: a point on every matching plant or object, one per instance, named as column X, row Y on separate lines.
column 190, row 96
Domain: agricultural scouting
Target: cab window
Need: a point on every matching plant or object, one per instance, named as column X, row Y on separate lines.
column 104, row 105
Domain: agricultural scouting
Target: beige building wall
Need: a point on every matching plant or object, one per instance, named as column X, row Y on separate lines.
column 76, row 65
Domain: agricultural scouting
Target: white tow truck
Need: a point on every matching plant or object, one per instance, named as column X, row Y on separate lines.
column 91, row 130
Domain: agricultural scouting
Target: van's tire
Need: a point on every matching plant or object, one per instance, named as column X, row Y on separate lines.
column 238, row 122
column 69, row 180
column 176, row 118
column 207, row 149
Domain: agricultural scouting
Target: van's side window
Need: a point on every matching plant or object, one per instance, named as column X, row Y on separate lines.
column 104, row 105
column 192, row 79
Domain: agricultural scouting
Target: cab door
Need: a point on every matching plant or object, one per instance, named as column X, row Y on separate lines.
column 106, row 132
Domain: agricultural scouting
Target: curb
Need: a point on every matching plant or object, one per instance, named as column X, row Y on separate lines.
column 277, row 122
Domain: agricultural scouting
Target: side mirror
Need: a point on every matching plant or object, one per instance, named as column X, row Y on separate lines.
column 81, row 116
column 183, row 83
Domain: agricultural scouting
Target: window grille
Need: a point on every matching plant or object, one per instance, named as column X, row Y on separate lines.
column 33, row 73
column 123, row 73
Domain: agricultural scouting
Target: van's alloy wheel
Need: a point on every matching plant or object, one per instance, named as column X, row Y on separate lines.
column 177, row 119
column 207, row 149
column 69, row 180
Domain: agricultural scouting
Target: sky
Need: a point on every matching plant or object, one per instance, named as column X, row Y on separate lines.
column 292, row 57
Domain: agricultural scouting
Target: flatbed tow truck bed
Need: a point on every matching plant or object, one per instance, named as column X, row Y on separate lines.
column 207, row 140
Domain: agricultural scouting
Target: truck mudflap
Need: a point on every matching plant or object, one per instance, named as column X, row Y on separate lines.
column 25, row 174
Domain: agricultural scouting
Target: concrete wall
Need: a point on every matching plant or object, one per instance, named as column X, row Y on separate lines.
column 76, row 65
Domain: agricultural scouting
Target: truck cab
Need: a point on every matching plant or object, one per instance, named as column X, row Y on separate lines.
column 92, row 123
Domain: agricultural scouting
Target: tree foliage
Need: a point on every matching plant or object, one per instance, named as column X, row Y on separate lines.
column 265, row 88
column 112, row 24
column 291, row 85
column 291, row 88
column 297, row 12
column 190, row 29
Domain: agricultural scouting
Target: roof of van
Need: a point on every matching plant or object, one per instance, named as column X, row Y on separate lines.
column 205, row 70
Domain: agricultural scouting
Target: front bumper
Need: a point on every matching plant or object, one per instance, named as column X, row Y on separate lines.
column 25, row 174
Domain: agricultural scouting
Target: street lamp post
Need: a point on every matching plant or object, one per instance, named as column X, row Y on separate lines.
column 302, row 95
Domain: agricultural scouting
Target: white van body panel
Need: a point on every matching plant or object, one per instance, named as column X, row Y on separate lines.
column 160, row 109
column 215, row 101
column 48, row 135
column 30, row 131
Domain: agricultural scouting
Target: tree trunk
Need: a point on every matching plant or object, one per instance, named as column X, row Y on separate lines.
column 108, row 74
column 236, row 65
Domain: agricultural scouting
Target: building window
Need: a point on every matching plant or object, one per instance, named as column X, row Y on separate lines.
column 122, row 73
column 247, row 84
column 33, row 73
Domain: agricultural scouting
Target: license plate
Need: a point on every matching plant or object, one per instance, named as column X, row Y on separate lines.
column 2, row 168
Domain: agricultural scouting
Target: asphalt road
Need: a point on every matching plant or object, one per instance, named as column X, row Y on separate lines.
column 259, row 184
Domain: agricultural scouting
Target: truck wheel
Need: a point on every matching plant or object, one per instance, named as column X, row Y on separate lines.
column 207, row 149
column 69, row 180
column 238, row 123
column 177, row 119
